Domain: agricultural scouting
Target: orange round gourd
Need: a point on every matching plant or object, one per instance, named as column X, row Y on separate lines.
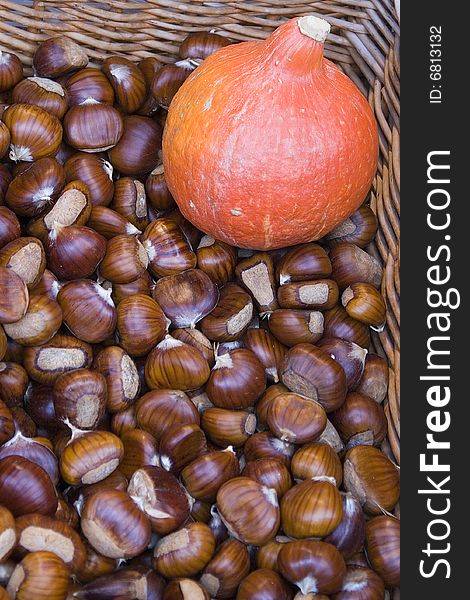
column 267, row 143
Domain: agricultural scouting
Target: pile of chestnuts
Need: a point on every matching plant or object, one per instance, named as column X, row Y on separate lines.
column 179, row 419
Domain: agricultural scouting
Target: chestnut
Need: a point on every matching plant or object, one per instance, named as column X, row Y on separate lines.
column 205, row 474
column 359, row 229
column 73, row 207
column 39, row 403
column 5, row 139
column 61, row 354
column 64, row 153
column 80, row 398
column 141, row 324
column 41, row 92
column 34, row 132
column 95, row 172
column 190, row 232
column 338, row 324
column 88, row 84
column 25, row 487
column 237, row 380
column 10, row 228
column 67, row 514
column 360, row 420
column 271, row 473
column 127, row 81
column 158, row 194
column 383, row 548
column 317, row 460
column 303, row 263
column 313, row 566
column 321, row 294
column 9, row 349
column 372, row 478
column 201, row 44
column 262, row 406
column 121, row 375
column 40, row 323
column 217, row 259
column 95, row 566
column 57, row 56
column 229, row 320
column 7, row 425
column 84, row 296
column 13, row 383
column 38, row 532
column 267, row 555
column 265, row 445
column 23, row 422
column 364, row 303
column 124, row 583
column 226, row 427
column 312, row 508
column 194, row 337
column 139, row 149
column 167, row 247
column 15, row 297
column 186, row 297
column 36, row 187
column 179, row 445
column 310, row 371
column 74, row 252
column 92, row 126
column 249, row 510
column 374, row 380
column 130, row 201
column 5, row 180
column 293, row 326
column 123, row 421
column 90, row 456
column 351, row 264
column 8, row 534
column 185, row 552
column 11, row 71
column 200, row 399
column 263, row 584
column 149, row 66
column 114, row 525
column 140, row 450
column 34, row 450
column 115, row 481
column 256, row 273
column 349, row 535
column 125, row 259
column 296, row 419
column 40, row 575
column 172, row 364
column 360, row 584
column 167, row 81
column 142, row 285
column 215, row 523
column 25, row 256
column 185, row 589
column 160, row 497
column 158, row 410
column 349, row 355
column 226, row 570
column 268, row 350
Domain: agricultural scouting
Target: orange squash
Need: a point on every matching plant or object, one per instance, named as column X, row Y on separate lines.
column 267, row 143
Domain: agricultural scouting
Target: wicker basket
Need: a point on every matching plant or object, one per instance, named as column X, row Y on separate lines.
column 363, row 43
